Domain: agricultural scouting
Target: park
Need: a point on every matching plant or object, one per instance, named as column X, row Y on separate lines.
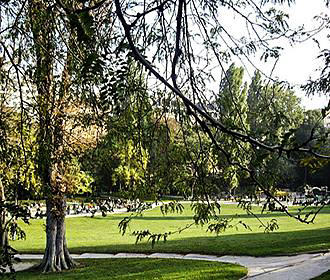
column 164, row 139
column 100, row 235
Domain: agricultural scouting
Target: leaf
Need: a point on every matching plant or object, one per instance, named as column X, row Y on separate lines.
column 123, row 225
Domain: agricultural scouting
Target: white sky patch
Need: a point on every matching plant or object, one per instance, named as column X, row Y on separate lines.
column 299, row 63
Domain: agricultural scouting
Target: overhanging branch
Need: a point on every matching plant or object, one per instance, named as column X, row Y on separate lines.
column 195, row 109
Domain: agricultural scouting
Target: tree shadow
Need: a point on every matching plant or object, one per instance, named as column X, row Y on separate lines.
column 103, row 269
column 178, row 217
column 250, row 244
column 148, row 218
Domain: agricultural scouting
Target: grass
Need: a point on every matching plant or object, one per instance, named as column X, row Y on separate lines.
column 117, row 269
column 101, row 235
column 324, row 276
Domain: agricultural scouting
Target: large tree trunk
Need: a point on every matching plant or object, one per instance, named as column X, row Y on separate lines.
column 3, row 230
column 56, row 257
column 6, row 260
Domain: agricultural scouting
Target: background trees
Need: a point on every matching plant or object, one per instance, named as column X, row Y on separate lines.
column 233, row 107
column 312, row 172
column 274, row 114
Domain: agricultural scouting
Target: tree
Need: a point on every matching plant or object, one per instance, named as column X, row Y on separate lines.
column 49, row 137
column 273, row 110
column 118, row 162
column 320, row 85
column 312, row 172
column 51, row 60
column 58, row 170
column 181, row 162
column 274, row 116
column 233, row 107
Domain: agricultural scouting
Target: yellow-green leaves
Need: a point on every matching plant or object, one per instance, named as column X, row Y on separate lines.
column 133, row 163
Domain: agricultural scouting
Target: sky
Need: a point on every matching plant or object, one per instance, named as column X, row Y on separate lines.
column 298, row 63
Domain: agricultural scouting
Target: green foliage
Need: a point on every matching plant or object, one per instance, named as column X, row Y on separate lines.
column 119, row 161
column 17, row 154
column 169, row 166
column 14, row 212
column 313, row 163
column 70, row 178
column 220, row 226
column 133, row 162
column 273, row 111
column 223, row 224
column 271, row 226
column 321, row 84
column 312, row 133
column 10, row 213
column 274, row 116
column 233, row 106
column 152, row 237
column 245, row 204
column 172, row 207
column 83, row 24
column 205, row 212
column 123, row 224
column 6, row 260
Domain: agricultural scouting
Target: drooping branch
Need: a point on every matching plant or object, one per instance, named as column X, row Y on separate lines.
column 198, row 111
column 206, row 121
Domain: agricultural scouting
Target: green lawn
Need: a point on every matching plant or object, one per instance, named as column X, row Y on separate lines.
column 100, row 234
column 143, row 269
column 324, row 276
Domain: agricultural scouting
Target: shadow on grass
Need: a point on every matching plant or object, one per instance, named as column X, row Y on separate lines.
column 252, row 244
column 179, row 217
column 143, row 269
column 147, row 218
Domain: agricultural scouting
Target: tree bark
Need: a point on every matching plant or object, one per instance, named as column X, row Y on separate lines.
column 3, row 230
column 56, row 257
column 5, row 261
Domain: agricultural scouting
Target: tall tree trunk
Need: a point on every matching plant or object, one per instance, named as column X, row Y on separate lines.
column 3, row 230
column 5, row 254
column 56, row 257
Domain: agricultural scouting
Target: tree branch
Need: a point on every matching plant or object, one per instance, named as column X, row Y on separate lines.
column 189, row 104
